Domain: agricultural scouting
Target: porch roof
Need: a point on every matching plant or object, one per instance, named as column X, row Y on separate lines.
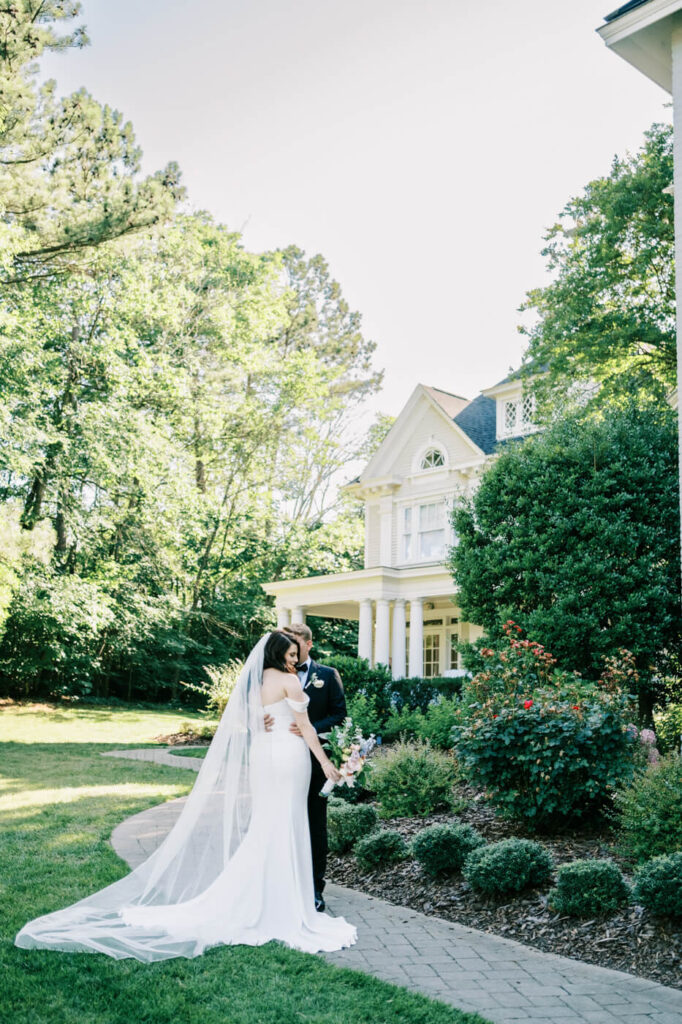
column 338, row 595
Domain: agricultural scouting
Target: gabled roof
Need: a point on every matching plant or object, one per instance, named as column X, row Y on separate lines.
column 449, row 403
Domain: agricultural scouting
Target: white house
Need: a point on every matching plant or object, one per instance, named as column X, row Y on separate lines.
column 404, row 598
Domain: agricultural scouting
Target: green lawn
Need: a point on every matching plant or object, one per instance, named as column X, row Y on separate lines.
column 192, row 752
column 59, row 802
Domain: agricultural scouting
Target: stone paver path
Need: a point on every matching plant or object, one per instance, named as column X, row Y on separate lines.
column 503, row 980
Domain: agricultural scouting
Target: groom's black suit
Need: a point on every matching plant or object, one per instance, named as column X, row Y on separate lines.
column 327, row 708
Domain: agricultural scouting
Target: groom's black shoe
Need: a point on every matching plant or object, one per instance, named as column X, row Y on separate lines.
column 320, row 905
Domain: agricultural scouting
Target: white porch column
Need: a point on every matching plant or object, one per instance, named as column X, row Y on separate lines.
column 365, row 630
column 677, row 180
column 398, row 642
column 382, row 650
column 416, row 667
column 283, row 618
column 297, row 615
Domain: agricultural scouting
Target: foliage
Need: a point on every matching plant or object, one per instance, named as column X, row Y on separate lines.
column 335, row 637
column 650, row 811
column 346, row 823
column 658, row 885
column 412, row 779
column 156, row 411
column 508, row 866
column 165, row 485
column 192, row 731
column 405, row 724
column 442, row 849
column 434, row 724
column 222, row 680
column 574, row 534
column 363, row 711
column 380, row 849
column 438, row 721
column 55, row 849
column 546, row 745
column 359, row 678
column 605, row 325
column 588, row 888
column 69, row 167
column 669, row 727
column 418, row 694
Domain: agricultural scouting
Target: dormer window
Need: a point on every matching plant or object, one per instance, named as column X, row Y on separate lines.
column 433, row 458
column 518, row 415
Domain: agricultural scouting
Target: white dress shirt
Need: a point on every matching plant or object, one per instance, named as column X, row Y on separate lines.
column 303, row 673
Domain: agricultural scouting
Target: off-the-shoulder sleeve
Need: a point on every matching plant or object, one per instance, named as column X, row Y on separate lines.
column 298, row 705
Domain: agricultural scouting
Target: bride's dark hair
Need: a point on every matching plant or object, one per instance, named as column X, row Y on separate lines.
column 276, row 647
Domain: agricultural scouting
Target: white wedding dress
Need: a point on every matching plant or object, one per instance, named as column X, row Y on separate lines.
column 236, row 868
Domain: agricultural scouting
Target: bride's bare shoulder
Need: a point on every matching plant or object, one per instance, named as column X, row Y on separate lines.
column 292, row 686
column 275, row 673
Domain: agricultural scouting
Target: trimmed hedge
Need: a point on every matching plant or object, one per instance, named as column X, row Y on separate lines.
column 508, row 866
column 588, row 888
column 380, row 849
column 658, row 886
column 443, row 849
column 346, row 823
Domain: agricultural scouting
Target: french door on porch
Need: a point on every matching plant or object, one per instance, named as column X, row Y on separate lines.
column 440, row 654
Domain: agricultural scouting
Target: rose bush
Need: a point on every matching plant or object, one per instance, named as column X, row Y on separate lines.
column 545, row 745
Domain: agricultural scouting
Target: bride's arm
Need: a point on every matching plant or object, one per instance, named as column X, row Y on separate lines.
column 295, row 692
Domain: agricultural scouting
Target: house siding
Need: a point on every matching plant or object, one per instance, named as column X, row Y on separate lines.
column 373, row 542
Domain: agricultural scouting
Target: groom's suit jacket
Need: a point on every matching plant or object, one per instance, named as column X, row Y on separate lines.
column 327, row 706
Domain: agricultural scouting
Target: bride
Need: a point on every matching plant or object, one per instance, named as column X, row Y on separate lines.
column 237, row 867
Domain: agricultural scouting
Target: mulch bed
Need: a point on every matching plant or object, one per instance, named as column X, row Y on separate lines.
column 632, row 940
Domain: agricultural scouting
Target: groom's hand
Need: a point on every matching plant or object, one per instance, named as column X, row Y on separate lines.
column 268, row 721
column 295, row 729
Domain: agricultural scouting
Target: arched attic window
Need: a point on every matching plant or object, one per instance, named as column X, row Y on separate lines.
column 432, row 458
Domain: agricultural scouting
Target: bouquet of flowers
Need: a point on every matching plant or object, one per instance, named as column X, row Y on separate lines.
column 348, row 750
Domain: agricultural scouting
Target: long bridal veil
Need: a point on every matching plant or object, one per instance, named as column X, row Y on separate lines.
column 209, row 831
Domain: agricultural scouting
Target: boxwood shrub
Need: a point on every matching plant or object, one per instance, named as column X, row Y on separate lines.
column 442, row 849
column 658, row 885
column 346, row 823
column 380, row 849
column 588, row 888
column 508, row 866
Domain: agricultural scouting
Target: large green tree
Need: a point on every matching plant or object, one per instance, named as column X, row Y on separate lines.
column 69, row 166
column 178, row 457
column 605, row 326
column 573, row 534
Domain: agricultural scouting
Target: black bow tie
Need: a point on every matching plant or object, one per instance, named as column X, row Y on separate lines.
column 303, row 667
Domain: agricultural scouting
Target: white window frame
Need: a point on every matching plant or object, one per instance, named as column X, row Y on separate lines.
column 410, row 539
column 517, row 416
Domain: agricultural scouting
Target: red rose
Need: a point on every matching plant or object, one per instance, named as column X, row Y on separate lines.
column 576, row 707
column 528, row 704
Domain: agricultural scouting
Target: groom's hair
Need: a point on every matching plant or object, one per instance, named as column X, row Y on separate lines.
column 276, row 647
column 299, row 630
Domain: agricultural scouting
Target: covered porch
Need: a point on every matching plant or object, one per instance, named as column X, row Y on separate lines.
column 408, row 618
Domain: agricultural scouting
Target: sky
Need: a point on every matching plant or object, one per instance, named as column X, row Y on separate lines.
column 423, row 147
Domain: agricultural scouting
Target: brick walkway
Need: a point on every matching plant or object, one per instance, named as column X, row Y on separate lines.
column 503, row 980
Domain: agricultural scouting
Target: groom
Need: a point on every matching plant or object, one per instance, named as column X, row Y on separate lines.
column 327, row 708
